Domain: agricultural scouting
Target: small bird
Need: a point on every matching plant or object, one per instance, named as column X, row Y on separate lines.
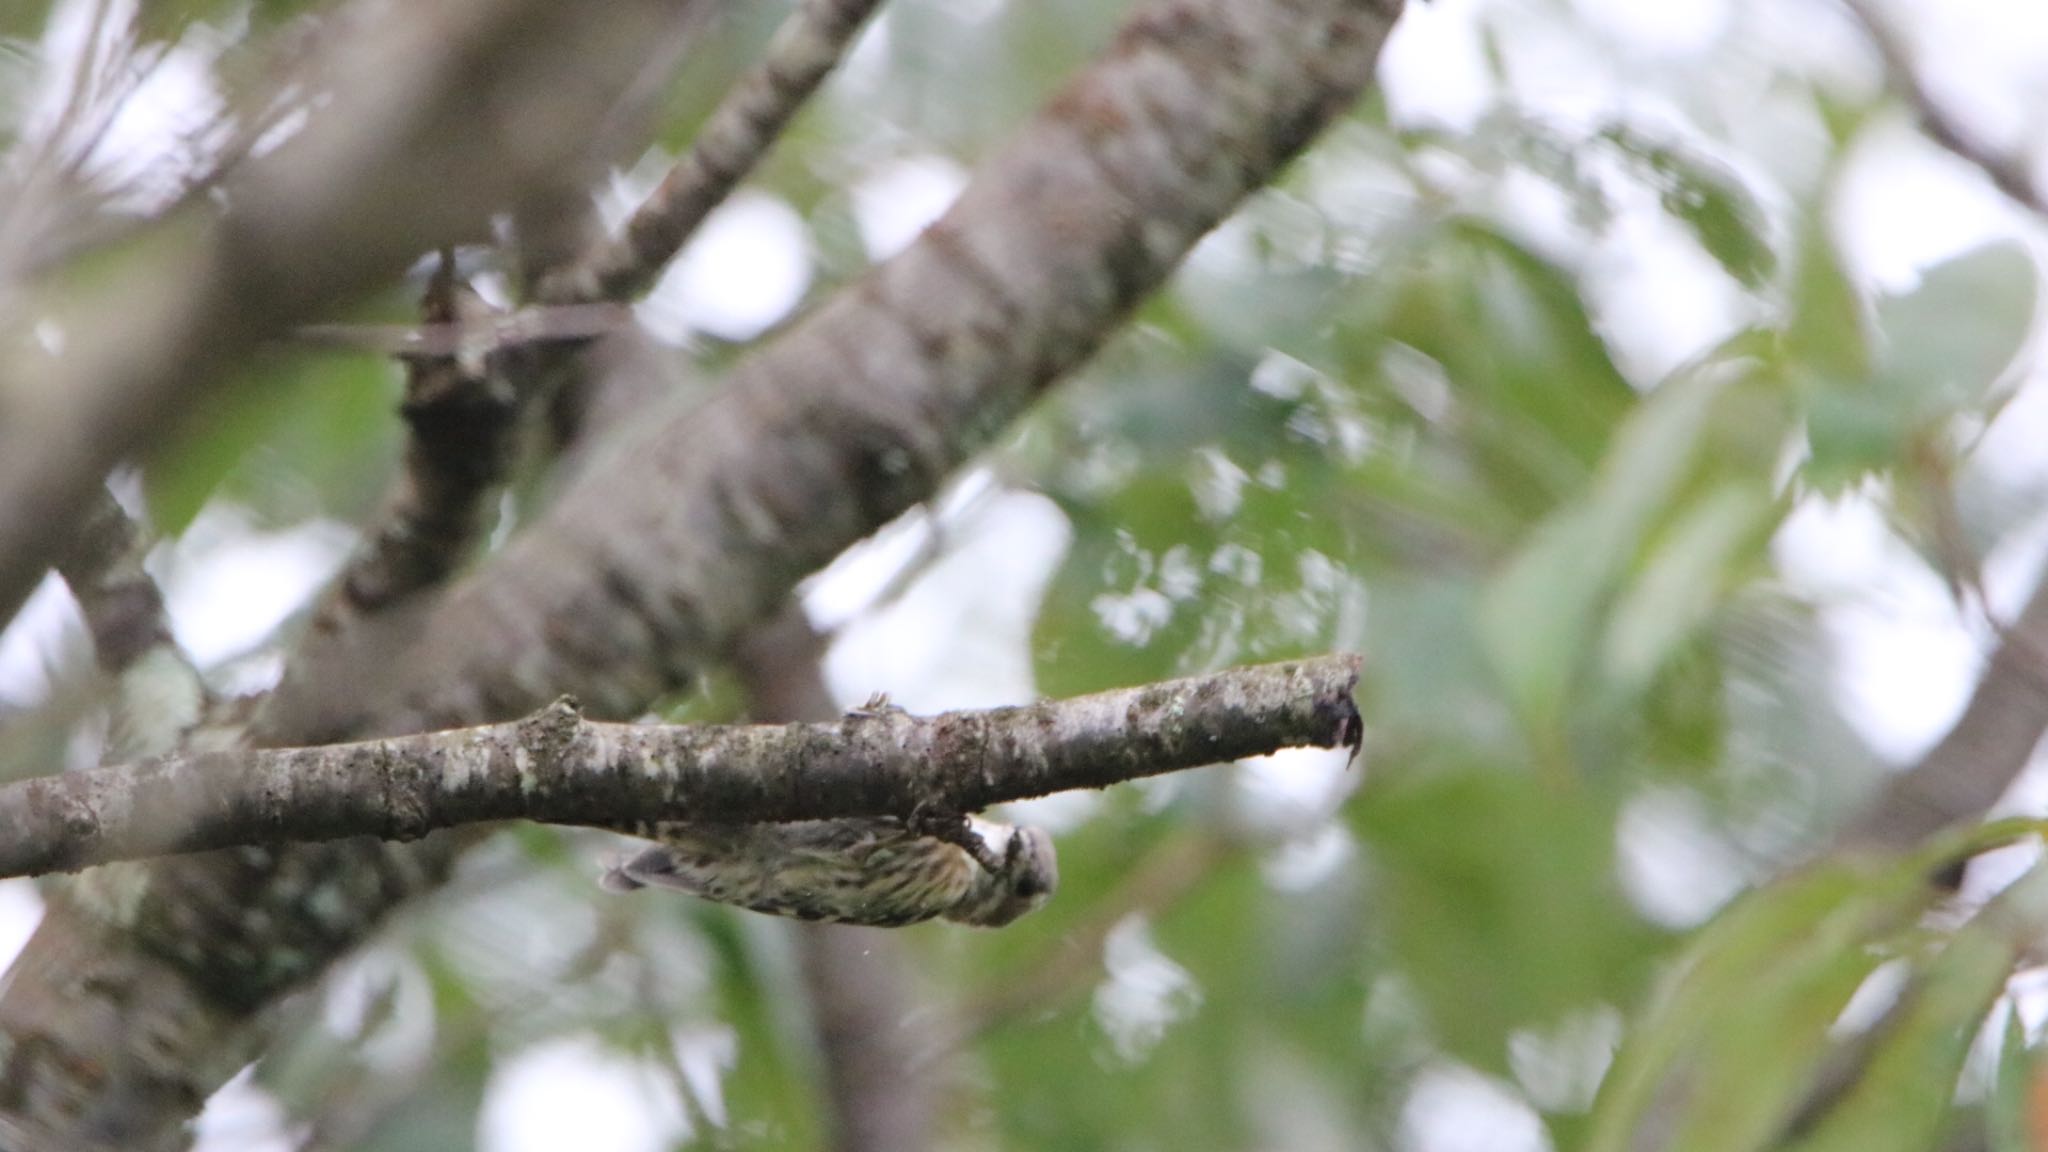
column 884, row 871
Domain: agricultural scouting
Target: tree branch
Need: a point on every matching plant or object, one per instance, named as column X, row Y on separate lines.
column 305, row 227
column 878, row 1097
column 2009, row 173
column 557, row 767
column 1964, row 775
column 803, row 51
column 661, row 555
column 158, row 695
column 462, row 417
column 122, row 606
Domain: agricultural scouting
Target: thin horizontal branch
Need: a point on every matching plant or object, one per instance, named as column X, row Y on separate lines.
column 659, row 557
column 557, row 767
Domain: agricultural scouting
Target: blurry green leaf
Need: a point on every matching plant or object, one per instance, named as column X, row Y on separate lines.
column 1843, row 118
column 1943, row 346
column 1713, row 545
column 1428, row 679
column 1828, row 349
column 1540, row 616
column 1902, row 1097
column 1828, row 329
column 1537, row 391
column 1502, row 904
column 1950, row 339
column 1726, row 1053
column 300, row 437
column 2006, row 1110
column 1708, row 199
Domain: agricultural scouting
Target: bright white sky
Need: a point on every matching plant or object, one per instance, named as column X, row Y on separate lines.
column 959, row 639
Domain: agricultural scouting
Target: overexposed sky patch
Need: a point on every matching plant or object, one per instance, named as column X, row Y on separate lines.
column 1907, row 654
column 228, row 585
column 959, row 636
column 33, row 643
column 576, row 1093
column 1669, row 27
column 21, row 909
column 744, row 272
column 892, row 205
column 1452, row 1108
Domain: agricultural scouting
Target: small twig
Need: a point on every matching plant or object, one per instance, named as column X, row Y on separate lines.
column 461, row 421
column 803, row 51
column 122, row 606
column 2010, row 173
column 474, row 335
column 557, row 767
column 158, row 694
column 1948, row 544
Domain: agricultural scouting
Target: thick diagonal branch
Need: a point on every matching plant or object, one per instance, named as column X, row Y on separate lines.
column 2010, row 173
column 557, row 767
column 1964, row 775
column 661, row 555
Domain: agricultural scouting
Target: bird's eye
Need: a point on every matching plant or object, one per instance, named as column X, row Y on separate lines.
column 1030, row 882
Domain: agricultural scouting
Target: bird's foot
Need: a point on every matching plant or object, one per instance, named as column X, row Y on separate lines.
column 956, row 829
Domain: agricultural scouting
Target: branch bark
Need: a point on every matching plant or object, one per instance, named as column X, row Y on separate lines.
column 1964, row 775
column 660, row 556
column 122, row 606
column 304, row 228
column 878, row 1095
column 804, row 50
column 557, row 767
column 2011, row 173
